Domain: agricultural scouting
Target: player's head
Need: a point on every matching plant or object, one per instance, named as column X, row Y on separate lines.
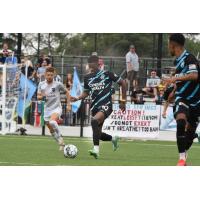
column 93, row 62
column 101, row 62
column 44, row 63
column 5, row 45
column 176, row 44
column 153, row 73
column 49, row 74
column 132, row 48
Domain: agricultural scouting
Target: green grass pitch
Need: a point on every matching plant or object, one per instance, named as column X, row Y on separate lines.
column 43, row 151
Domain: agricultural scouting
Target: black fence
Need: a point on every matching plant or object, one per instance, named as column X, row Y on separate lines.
column 65, row 64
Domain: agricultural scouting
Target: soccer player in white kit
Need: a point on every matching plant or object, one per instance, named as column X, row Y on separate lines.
column 49, row 91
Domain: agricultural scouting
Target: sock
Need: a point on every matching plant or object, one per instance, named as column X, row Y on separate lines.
column 105, row 137
column 55, row 127
column 180, row 135
column 96, row 131
column 96, row 148
column 182, row 156
column 57, row 135
column 190, row 136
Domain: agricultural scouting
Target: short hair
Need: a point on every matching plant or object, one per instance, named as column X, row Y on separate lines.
column 50, row 69
column 93, row 59
column 177, row 38
column 132, row 46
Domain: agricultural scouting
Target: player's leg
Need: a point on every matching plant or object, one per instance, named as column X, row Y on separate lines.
column 148, row 91
column 97, row 119
column 155, row 93
column 190, row 135
column 181, row 121
column 54, row 130
column 191, row 128
column 107, row 137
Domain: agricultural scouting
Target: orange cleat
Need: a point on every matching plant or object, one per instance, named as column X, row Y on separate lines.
column 181, row 163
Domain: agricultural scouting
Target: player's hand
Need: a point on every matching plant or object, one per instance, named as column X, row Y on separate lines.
column 73, row 99
column 122, row 105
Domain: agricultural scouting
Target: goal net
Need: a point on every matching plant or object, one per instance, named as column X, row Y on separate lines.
column 9, row 91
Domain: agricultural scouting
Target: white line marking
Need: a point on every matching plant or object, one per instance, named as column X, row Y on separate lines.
column 86, row 140
column 16, row 163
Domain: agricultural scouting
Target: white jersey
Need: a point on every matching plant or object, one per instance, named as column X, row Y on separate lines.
column 52, row 94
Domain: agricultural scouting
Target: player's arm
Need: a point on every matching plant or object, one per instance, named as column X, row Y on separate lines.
column 63, row 89
column 84, row 94
column 187, row 77
column 165, row 106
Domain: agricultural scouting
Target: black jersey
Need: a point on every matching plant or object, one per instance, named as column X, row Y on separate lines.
column 99, row 85
column 187, row 91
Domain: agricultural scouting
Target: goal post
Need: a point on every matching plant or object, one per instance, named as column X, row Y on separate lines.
column 3, row 100
column 8, row 98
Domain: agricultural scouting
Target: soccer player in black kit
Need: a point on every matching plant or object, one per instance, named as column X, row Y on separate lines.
column 98, row 84
column 187, row 95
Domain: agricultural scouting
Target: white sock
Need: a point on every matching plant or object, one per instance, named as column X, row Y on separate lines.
column 96, row 148
column 182, row 156
column 55, row 136
column 55, row 127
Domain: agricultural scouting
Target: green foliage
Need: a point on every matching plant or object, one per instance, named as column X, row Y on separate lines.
column 108, row 44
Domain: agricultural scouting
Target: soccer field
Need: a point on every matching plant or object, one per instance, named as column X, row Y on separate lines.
column 43, row 151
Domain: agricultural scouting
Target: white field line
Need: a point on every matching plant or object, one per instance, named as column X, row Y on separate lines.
column 16, row 163
column 89, row 141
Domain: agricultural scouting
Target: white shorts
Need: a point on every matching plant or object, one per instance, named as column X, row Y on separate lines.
column 48, row 113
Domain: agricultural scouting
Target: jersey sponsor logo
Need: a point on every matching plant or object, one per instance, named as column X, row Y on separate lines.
column 97, row 86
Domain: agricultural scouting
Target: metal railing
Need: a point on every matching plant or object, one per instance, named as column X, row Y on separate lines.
column 65, row 64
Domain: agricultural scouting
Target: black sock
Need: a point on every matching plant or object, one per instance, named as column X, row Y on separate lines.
column 96, row 131
column 105, row 137
column 190, row 136
column 180, row 135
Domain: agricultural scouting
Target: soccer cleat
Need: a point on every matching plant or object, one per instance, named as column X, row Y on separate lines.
column 115, row 143
column 181, row 163
column 92, row 152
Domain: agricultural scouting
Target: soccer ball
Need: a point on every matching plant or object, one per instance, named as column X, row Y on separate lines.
column 70, row 151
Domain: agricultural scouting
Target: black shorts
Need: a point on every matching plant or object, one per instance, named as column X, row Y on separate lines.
column 192, row 113
column 181, row 107
column 107, row 110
